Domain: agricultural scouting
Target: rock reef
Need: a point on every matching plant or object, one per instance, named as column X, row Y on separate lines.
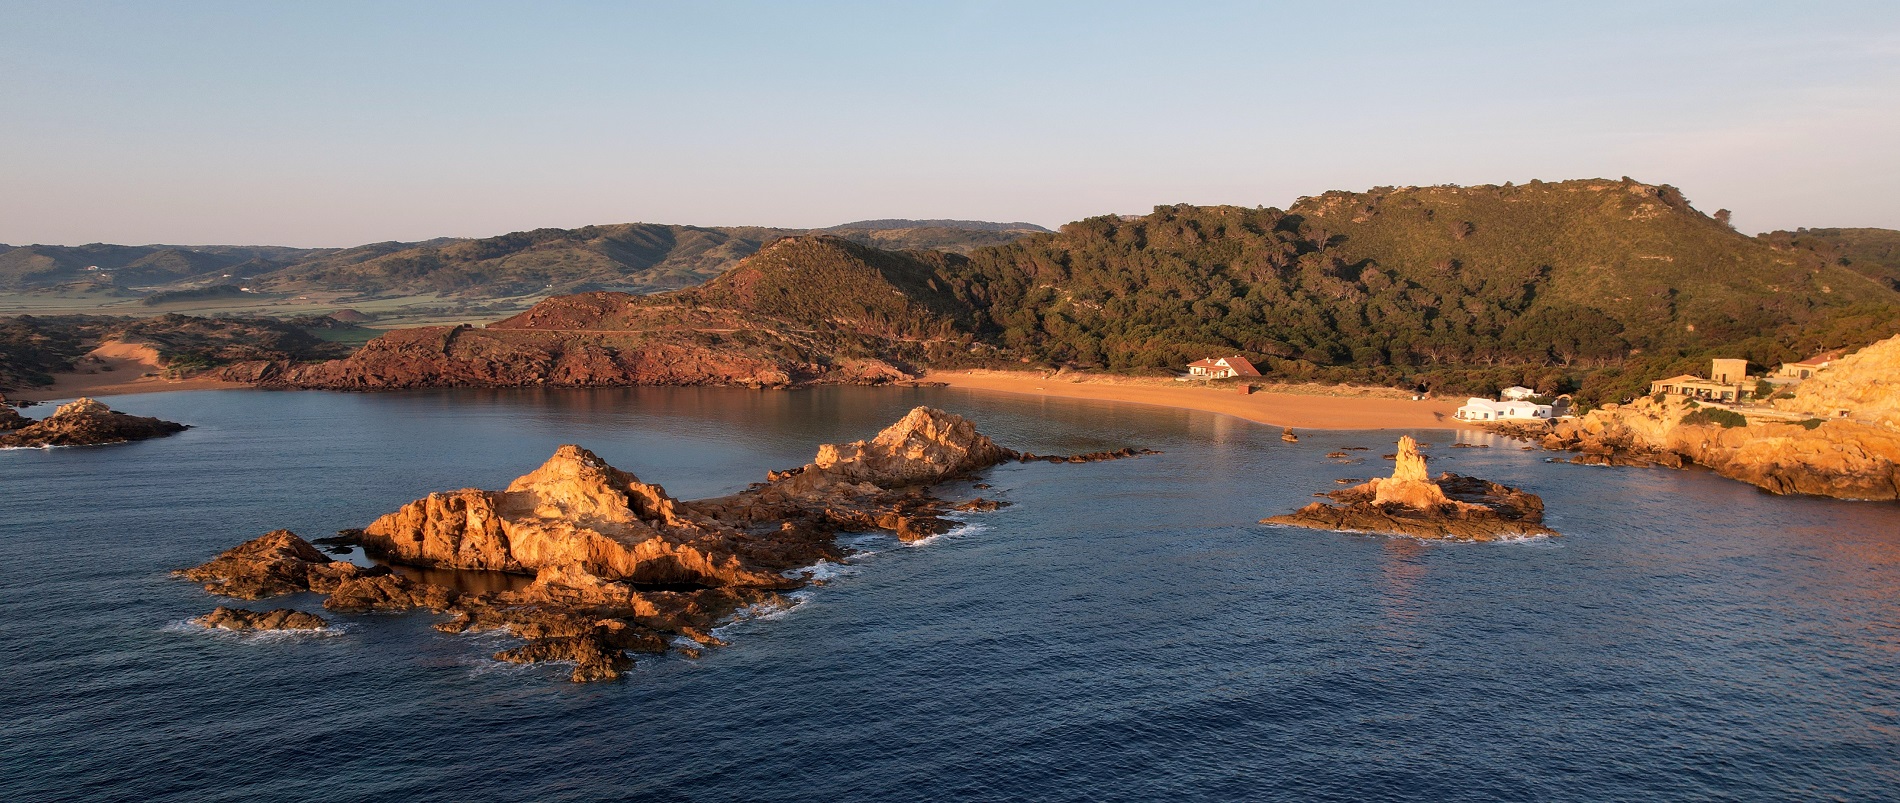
column 85, row 422
column 1412, row 503
column 619, row 565
column 224, row 618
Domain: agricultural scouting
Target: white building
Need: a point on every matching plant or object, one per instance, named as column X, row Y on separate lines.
column 1516, row 393
column 1222, row 368
column 1476, row 409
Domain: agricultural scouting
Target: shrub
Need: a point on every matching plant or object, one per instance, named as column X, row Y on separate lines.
column 1727, row 419
column 1810, row 423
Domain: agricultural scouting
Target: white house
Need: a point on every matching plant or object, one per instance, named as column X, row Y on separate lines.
column 1221, row 368
column 1516, row 393
column 1476, row 409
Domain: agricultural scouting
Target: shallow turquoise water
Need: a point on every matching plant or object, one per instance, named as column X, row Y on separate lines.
column 1124, row 632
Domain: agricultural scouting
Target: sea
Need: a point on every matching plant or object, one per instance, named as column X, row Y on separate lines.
column 1125, row 631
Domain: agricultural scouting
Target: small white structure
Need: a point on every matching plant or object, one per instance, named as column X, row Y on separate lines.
column 1476, row 409
column 1516, row 393
column 1221, row 368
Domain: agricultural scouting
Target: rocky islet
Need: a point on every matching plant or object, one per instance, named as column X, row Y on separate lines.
column 1413, row 503
column 84, row 422
column 619, row 565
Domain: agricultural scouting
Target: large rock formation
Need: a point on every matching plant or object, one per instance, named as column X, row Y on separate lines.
column 576, row 512
column 1841, row 458
column 1411, row 503
column 1865, row 385
column 85, row 422
column 619, row 565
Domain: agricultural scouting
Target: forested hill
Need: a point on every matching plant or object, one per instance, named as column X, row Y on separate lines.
column 1596, row 284
column 1874, row 253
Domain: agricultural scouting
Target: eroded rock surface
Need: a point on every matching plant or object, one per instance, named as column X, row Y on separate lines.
column 1411, row 503
column 620, row 566
column 86, row 422
column 1842, row 458
column 224, row 618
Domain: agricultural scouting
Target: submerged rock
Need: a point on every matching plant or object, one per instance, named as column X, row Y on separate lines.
column 224, row 618
column 1410, row 502
column 86, row 422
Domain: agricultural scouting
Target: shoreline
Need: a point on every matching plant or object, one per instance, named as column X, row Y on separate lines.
column 1346, row 408
column 1299, row 406
column 118, row 369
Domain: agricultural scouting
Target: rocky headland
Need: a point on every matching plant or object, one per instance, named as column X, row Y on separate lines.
column 1838, row 436
column 619, row 565
column 1841, row 458
column 1412, row 503
column 84, row 422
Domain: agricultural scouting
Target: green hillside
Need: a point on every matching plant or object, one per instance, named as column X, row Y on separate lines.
column 821, row 280
column 1874, row 253
column 1590, row 285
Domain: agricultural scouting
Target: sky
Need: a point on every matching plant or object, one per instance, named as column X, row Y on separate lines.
column 340, row 123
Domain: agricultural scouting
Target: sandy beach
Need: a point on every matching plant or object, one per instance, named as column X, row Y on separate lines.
column 1298, row 406
column 117, row 369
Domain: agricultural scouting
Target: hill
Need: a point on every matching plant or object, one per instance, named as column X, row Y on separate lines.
column 810, row 309
column 964, row 225
column 633, row 257
column 1587, row 285
column 31, row 267
column 1874, row 253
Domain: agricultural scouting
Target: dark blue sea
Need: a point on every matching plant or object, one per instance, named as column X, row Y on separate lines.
column 1124, row 632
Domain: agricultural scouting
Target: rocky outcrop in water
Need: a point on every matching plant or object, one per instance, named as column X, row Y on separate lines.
column 85, row 422
column 620, row 566
column 224, row 618
column 1410, row 502
column 1841, row 458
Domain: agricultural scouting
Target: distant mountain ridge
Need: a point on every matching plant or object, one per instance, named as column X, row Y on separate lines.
column 965, row 225
column 635, row 257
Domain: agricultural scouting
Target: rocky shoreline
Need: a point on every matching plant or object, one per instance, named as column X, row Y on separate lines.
column 620, row 566
column 1837, row 458
column 1411, row 503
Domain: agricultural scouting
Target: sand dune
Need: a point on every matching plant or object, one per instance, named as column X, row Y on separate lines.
column 117, row 369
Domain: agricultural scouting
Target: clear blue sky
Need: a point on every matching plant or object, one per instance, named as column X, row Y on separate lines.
column 339, row 123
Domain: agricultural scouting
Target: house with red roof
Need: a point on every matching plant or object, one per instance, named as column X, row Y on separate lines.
column 1222, row 368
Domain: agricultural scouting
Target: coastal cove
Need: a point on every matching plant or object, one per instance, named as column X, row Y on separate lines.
column 1124, row 630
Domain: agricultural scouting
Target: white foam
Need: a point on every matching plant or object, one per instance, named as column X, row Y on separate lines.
column 962, row 529
column 823, row 571
column 761, row 612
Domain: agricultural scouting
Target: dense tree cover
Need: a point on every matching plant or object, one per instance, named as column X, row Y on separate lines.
column 1587, row 287
column 1874, row 253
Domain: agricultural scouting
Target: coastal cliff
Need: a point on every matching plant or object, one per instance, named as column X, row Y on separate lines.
column 1866, row 384
column 1842, row 458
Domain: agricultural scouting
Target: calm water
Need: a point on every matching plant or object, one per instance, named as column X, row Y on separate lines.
column 1125, row 632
